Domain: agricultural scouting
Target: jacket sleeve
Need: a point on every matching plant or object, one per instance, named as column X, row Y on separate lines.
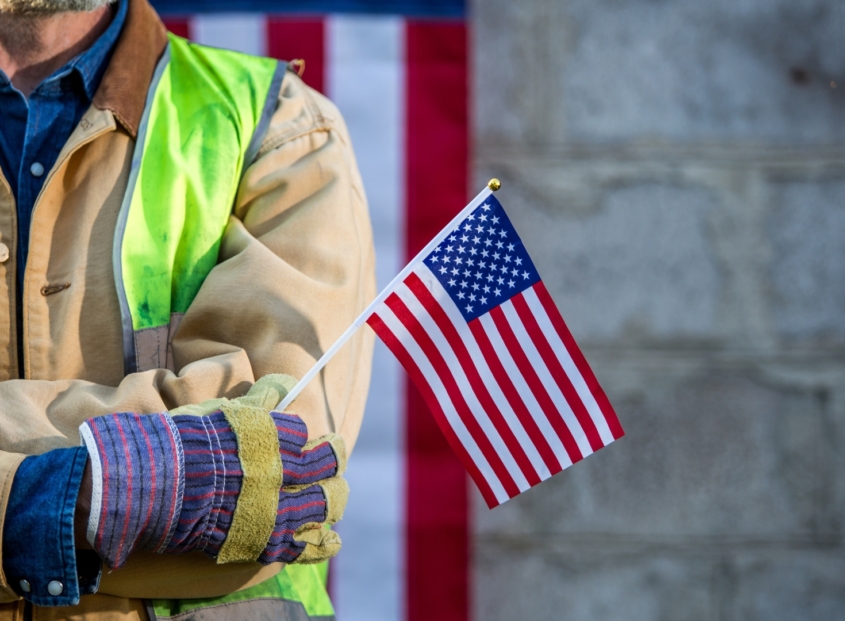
column 296, row 266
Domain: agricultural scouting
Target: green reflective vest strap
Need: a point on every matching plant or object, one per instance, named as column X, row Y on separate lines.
column 297, row 593
column 206, row 113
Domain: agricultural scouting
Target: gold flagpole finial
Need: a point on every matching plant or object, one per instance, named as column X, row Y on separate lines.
column 494, row 184
column 298, row 65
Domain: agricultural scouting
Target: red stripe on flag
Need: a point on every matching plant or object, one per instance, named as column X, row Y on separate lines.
column 299, row 37
column 465, row 359
column 437, row 131
column 535, row 385
column 406, row 360
column 421, row 336
column 535, row 333
column 180, row 26
column 512, row 395
column 579, row 360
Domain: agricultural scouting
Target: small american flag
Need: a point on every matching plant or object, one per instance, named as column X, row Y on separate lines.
column 480, row 336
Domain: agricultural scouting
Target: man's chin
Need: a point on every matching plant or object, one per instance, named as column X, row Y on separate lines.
column 49, row 7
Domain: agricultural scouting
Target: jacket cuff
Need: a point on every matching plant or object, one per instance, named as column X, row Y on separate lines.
column 40, row 559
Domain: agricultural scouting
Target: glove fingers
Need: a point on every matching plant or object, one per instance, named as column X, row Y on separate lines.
column 335, row 494
column 266, row 394
column 320, row 544
column 320, row 459
column 338, row 445
column 336, row 491
column 293, row 434
column 200, row 409
column 268, row 391
column 301, row 522
column 296, row 509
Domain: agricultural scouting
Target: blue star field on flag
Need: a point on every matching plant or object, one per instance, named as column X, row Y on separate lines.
column 483, row 262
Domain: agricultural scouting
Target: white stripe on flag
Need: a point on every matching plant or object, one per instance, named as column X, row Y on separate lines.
column 546, row 379
column 441, row 394
column 365, row 78
column 243, row 32
column 487, row 378
column 524, row 391
column 568, row 365
column 457, row 371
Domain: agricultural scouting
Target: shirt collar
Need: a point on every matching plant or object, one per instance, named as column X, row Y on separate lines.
column 91, row 64
column 123, row 90
column 127, row 63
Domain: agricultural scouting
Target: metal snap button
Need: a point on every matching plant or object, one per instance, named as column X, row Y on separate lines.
column 55, row 587
column 4, row 252
column 26, row 587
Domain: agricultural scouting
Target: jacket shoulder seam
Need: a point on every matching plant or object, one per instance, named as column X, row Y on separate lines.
column 316, row 122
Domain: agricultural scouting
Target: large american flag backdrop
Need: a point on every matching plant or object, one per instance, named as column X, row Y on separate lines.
column 398, row 71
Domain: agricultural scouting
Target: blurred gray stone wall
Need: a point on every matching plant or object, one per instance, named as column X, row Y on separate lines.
column 678, row 170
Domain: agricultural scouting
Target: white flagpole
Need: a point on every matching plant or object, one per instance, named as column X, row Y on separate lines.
column 492, row 186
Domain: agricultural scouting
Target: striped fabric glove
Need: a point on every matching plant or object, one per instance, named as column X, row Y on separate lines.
column 208, row 477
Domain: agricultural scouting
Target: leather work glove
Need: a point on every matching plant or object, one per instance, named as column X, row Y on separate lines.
column 228, row 477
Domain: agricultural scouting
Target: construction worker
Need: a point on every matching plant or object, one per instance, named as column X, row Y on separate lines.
column 183, row 232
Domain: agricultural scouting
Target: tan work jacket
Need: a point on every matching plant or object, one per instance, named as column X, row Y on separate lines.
column 296, row 266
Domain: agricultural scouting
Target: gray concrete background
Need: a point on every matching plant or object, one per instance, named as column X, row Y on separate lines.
column 678, row 170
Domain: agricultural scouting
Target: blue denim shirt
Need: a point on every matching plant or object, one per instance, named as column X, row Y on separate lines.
column 38, row 538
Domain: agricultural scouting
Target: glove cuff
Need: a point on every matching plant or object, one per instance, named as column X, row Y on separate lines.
column 137, row 466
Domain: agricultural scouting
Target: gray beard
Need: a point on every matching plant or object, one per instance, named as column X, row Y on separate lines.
column 49, row 7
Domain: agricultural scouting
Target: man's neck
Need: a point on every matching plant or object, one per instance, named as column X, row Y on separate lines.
column 33, row 47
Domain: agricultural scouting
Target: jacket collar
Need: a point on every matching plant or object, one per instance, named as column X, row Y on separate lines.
column 123, row 90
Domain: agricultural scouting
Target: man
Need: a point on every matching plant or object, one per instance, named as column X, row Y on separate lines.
column 176, row 222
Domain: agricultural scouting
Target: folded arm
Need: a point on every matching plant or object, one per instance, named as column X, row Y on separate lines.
column 295, row 268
